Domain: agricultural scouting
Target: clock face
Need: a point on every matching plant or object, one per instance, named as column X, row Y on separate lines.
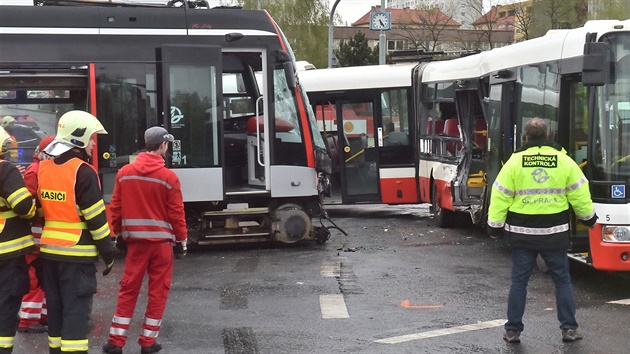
column 380, row 21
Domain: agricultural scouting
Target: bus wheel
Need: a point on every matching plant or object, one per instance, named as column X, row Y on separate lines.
column 442, row 217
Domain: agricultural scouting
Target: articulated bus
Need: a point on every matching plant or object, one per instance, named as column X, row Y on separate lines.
column 247, row 151
column 466, row 115
column 456, row 122
column 365, row 116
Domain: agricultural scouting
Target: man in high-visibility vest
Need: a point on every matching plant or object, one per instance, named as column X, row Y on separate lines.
column 530, row 206
column 33, row 314
column 75, row 231
column 16, row 240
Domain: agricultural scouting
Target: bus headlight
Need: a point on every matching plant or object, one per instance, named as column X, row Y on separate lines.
column 616, row 234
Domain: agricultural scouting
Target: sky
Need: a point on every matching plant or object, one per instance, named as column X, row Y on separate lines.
column 350, row 10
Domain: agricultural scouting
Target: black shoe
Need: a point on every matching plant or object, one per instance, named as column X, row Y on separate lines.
column 36, row 328
column 109, row 348
column 571, row 335
column 154, row 348
column 512, row 336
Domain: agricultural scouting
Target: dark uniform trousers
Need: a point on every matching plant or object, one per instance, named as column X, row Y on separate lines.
column 69, row 288
column 14, row 283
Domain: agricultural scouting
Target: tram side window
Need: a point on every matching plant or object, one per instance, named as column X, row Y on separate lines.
column 194, row 116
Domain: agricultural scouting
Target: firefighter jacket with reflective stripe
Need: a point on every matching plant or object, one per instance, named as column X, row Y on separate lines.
column 30, row 180
column 531, row 196
column 75, row 226
column 147, row 203
column 16, row 205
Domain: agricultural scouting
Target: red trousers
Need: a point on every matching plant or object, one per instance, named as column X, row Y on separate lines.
column 155, row 259
column 33, row 308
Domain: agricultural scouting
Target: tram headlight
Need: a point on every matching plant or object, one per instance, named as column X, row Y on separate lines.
column 614, row 233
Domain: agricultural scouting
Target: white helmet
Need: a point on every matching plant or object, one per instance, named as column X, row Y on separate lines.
column 7, row 120
column 4, row 137
column 75, row 129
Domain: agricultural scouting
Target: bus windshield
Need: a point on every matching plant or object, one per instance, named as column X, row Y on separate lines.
column 612, row 115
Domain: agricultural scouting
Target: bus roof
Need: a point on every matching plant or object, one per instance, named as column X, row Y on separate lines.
column 556, row 44
column 357, row 77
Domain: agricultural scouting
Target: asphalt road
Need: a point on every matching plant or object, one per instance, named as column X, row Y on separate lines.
column 394, row 284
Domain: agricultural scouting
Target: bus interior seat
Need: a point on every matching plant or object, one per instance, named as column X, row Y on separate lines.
column 333, row 150
column 439, row 126
column 451, row 128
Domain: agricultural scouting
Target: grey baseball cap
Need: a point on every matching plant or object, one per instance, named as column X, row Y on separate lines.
column 157, row 135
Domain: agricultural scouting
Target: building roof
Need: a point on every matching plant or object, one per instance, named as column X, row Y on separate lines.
column 409, row 16
column 492, row 17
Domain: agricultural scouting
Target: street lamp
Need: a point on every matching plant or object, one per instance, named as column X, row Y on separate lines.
column 330, row 34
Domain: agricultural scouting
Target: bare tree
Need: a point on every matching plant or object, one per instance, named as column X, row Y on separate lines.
column 486, row 20
column 423, row 26
column 523, row 20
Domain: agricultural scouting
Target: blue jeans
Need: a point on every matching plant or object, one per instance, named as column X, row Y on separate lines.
column 523, row 261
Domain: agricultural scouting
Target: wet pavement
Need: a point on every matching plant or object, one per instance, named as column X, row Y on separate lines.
column 394, row 284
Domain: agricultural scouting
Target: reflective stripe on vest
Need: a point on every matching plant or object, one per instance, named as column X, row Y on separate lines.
column 63, row 225
column 74, row 251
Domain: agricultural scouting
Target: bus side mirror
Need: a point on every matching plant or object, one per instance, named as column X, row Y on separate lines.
column 595, row 64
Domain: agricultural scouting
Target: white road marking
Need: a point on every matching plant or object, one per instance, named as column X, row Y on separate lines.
column 442, row 332
column 330, row 269
column 620, row 302
column 333, row 306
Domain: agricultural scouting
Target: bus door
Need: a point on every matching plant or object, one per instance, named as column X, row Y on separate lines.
column 503, row 134
column 191, row 107
column 502, row 129
column 356, row 129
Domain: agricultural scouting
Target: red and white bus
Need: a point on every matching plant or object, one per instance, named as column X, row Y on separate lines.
column 247, row 151
column 365, row 114
column 578, row 80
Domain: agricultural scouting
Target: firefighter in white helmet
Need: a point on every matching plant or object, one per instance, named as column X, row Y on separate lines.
column 75, row 231
column 11, row 151
column 16, row 240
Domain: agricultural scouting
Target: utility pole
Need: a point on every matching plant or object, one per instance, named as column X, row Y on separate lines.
column 259, row 4
column 382, row 41
column 330, row 34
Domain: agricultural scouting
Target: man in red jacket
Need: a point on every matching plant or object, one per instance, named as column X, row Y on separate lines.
column 33, row 316
column 147, row 210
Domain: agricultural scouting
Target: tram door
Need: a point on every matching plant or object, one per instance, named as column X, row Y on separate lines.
column 356, row 129
column 191, row 100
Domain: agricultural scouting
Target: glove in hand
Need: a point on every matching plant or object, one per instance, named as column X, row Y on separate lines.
column 108, row 258
column 120, row 244
column 180, row 249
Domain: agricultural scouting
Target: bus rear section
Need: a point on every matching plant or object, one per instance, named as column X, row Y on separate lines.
column 577, row 81
column 365, row 115
column 221, row 81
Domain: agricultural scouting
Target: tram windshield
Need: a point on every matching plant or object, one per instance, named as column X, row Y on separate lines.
column 612, row 116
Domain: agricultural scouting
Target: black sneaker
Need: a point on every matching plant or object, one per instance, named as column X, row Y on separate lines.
column 109, row 348
column 511, row 336
column 36, row 328
column 154, row 348
column 571, row 335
